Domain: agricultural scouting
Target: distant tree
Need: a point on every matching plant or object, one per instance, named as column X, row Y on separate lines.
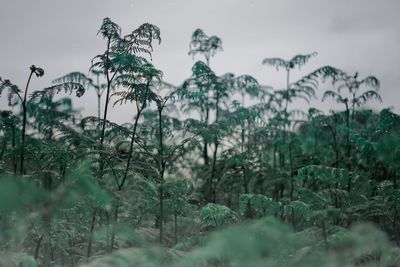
column 202, row 44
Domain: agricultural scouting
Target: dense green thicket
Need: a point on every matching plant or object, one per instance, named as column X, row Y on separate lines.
column 219, row 171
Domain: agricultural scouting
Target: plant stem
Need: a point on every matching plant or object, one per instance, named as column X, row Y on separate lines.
column 114, row 222
column 13, row 144
column 98, row 96
column 128, row 163
column 395, row 215
column 161, row 172
column 176, row 227
column 3, row 147
column 22, row 155
column 108, row 93
column 89, row 249
column 291, row 172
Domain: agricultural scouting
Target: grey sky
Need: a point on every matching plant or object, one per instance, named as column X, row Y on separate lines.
column 60, row 36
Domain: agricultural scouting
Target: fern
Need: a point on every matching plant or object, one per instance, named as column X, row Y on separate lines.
column 213, row 215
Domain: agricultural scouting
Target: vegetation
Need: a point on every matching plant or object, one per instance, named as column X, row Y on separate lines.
column 218, row 171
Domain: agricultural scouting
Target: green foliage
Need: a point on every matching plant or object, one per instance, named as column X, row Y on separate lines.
column 215, row 216
column 18, row 194
column 201, row 43
column 201, row 176
column 259, row 205
column 297, row 60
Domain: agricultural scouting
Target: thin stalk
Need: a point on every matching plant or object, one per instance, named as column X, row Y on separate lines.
column 108, row 93
column 98, row 96
column 47, row 242
column 22, row 155
column 291, row 173
column 214, row 163
column 395, row 215
column 353, row 106
column 128, row 163
column 276, row 191
column 291, row 182
column 161, row 170
column 245, row 182
column 176, row 227
column 112, row 241
column 13, row 144
column 287, row 90
column 161, row 212
column 325, row 235
column 3, row 146
column 205, row 148
column 89, row 249
column 348, row 149
column 98, row 106
column 205, row 152
column 37, row 247
column 213, row 171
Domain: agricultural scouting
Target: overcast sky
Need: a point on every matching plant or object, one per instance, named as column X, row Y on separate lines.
column 60, row 36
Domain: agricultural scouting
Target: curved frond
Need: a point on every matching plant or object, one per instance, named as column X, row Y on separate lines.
column 141, row 39
column 326, row 72
column 368, row 95
column 75, row 77
column 202, row 44
column 67, row 87
column 248, row 84
column 300, row 60
column 331, row 94
column 371, row 81
column 275, row 62
column 13, row 92
column 109, row 29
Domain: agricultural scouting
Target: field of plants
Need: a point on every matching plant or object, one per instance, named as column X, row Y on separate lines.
column 217, row 171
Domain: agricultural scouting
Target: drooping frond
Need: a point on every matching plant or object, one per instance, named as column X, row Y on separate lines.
column 333, row 95
column 371, row 81
column 315, row 201
column 92, row 121
column 327, row 175
column 13, row 92
column 140, row 40
column 214, row 215
column 67, row 87
column 202, row 44
column 300, row 60
column 247, row 84
column 326, row 72
column 109, row 29
column 259, row 204
column 202, row 80
column 275, row 62
column 298, row 207
column 75, row 77
column 368, row 95
column 301, row 89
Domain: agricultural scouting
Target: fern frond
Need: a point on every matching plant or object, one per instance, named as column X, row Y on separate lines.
column 368, row 95
column 67, row 87
column 217, row 215
column 300, row 60
column 13, row 94
column 75, row 77
column 109, row 29
column 300, row 208
column 275, row 62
